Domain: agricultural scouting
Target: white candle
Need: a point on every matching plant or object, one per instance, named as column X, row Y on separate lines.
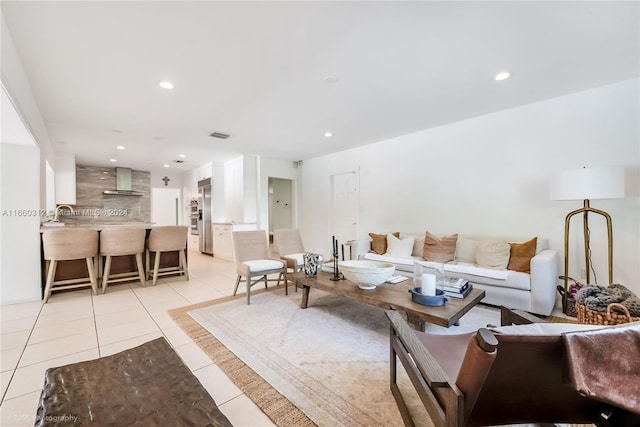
column 428, row 284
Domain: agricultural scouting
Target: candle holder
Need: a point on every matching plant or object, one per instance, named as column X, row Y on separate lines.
column 428, row 276
column 336, row 271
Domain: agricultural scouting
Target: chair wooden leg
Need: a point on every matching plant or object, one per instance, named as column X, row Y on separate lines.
column 50, row 276
column 286, row 282
column 249, row 290
column 92, row 275
column 237, row 284
column 105, row 275
column 183, row 263
column 140, row 270
column 156, row 267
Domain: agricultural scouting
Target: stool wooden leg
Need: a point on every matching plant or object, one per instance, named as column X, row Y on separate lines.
column 140, row 269
column 183, row 263
column 156, row 267
column 92, row 275
column 147, row 270
column 50, row 276
column 105, row 275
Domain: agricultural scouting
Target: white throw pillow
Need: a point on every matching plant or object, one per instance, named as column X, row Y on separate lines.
column 399, row 248
column 493, row 254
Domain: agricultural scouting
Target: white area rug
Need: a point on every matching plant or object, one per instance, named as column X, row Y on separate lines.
column 331, row 360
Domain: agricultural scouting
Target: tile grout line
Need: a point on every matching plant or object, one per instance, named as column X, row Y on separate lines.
column 24, row 347
column 95, row 323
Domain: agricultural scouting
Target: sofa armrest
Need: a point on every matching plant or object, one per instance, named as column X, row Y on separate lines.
column 544, row 274
column 358, row 248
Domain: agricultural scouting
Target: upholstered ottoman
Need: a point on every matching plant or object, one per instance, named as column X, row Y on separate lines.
column 148, row 385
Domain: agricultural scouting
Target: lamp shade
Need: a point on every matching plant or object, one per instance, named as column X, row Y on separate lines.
column 588, row 184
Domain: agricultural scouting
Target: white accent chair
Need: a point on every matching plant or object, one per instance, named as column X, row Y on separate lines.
column 251, row 252
column 291, row 249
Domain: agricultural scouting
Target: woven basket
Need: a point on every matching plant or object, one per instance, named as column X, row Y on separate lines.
column 592, row 317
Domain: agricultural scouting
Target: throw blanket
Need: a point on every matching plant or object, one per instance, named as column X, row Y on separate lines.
column 598, row 298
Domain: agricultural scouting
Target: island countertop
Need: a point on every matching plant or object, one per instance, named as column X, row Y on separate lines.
column 99, row 227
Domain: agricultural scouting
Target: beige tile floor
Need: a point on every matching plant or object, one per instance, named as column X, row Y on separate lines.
column 76, row 326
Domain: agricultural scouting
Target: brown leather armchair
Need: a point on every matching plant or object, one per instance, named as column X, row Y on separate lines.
column 484, row 378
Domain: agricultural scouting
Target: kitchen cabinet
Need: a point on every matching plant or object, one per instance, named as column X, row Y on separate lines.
column 65, row 178
column 223, row 238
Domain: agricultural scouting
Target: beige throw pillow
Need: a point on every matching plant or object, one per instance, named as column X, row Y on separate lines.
column 493, row 254
column 399, row 248
column 379, row 242
column 466, row 250
column 439, row 250
column 521, row 254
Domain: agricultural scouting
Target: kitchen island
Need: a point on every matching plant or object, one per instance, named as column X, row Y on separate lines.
column 121, row 264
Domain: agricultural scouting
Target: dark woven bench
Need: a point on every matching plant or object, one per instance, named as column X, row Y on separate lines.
column 148, row 385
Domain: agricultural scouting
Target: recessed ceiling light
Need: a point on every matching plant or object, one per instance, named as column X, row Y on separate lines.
column 182, row 155
column 330, row 79
column 328, row 134
column 166, row 166
column 105, row 173
column 120, row 147
column 112, row 160
column 502, row 75
column 166, row 85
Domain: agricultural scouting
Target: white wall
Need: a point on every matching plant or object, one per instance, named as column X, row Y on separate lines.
column 19, row 223
column 490, row 176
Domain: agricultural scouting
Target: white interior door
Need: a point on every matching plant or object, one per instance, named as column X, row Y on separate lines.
column 164, row 206
column 345, row 206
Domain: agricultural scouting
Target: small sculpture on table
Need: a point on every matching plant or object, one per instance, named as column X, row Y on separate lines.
column 336, row 271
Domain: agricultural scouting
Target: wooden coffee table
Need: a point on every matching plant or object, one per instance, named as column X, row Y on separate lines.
column 388, row 296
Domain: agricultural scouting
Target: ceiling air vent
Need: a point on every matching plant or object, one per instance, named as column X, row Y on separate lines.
column 178, row 161
column 220, row 135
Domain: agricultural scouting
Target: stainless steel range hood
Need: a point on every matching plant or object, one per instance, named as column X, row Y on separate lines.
column 123, row 184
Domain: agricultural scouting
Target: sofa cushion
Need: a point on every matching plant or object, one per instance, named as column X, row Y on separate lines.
column 385, row 258
column 466, row 250
column 493, row 254
column 521, row 254
column 439, row 250
column 399, row 248
column 418, row 243
column 379, row 242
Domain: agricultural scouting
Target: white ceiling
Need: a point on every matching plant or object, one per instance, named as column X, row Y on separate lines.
column 257, row 70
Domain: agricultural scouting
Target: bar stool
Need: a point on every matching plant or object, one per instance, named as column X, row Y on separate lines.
column 67, row 244
column 167, row 239
column 122, row 241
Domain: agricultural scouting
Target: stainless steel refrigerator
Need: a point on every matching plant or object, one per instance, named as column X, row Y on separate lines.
column 204, row 216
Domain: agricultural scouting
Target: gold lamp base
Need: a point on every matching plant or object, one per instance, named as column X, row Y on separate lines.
column 585, row 211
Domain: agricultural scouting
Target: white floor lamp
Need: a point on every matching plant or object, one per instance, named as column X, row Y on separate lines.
column 587, row 184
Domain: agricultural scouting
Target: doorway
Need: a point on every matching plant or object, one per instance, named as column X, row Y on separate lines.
column 164, row 206
column 280, row 205
column 345, row 205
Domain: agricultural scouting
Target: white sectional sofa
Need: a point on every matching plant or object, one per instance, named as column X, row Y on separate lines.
column 534, row 292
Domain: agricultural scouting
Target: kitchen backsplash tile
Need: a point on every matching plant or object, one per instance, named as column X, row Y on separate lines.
column 94, row 207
